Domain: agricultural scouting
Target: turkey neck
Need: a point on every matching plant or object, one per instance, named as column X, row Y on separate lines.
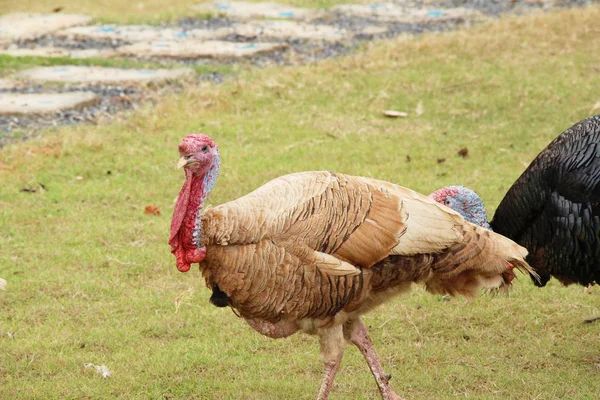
column 186, row 227
column 191, row 222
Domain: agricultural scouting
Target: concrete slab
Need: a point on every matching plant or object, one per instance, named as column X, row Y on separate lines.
column 57, row 52
column 72, row 74
column 43, row 103
column 372, row 30
column 190, row 49
column 246, row 10
column 24, row 26
column 140, row 33
column 290, row 30
column 402, row 14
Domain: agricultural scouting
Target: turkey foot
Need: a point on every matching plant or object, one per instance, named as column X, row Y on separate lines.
column 356, row 332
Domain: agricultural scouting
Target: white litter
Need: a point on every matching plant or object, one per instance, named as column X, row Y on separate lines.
column 101, row 369
column 395, row 114
column 3, row 284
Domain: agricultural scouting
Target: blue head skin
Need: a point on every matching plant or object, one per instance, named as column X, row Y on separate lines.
column 464, row 201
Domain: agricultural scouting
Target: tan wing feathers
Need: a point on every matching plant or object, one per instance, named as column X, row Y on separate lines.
column 380, row 231
column 357, row 220
column 482, row 259
column 259, row 214
column 430, row 226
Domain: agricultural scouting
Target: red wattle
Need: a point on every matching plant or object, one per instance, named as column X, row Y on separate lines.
column 179, row 212
column 195, row 255
column 182, row 264
column 183, row 267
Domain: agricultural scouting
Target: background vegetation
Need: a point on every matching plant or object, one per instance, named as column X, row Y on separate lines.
column 91, row 279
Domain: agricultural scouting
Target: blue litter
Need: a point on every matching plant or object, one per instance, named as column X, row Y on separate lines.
column 222, row 7
column 286, row 14
column 181, row 35
column 248, row 46
column 435, row 13
column 376, row 6
column 147, row 72
column 106, row 29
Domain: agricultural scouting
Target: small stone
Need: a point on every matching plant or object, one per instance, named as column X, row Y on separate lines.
column 3, row 284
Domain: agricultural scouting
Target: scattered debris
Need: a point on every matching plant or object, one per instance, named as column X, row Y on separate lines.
column 408, row 158
column 464, row 152
column 41, row 188
column 441, row 160
column 3, row 284
column 101, row 369
column 152, row 210
column 395, row 114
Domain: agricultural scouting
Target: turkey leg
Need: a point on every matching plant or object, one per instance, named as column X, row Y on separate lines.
column 332, row 350
column 356, row 332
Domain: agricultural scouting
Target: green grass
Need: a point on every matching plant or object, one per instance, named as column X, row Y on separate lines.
column 91, row 278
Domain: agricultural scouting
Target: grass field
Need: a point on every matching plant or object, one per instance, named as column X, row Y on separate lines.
column 91, row 279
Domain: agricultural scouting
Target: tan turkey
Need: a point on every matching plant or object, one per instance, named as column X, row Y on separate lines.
column 313, row 251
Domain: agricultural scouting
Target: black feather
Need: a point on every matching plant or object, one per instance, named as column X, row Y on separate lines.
column 553, row 208
column 219, row 298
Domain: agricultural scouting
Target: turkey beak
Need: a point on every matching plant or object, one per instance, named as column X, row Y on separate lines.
column 183, row 161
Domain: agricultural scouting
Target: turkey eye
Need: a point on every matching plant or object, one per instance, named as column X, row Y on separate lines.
column 447, row 202
column 204, row 148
